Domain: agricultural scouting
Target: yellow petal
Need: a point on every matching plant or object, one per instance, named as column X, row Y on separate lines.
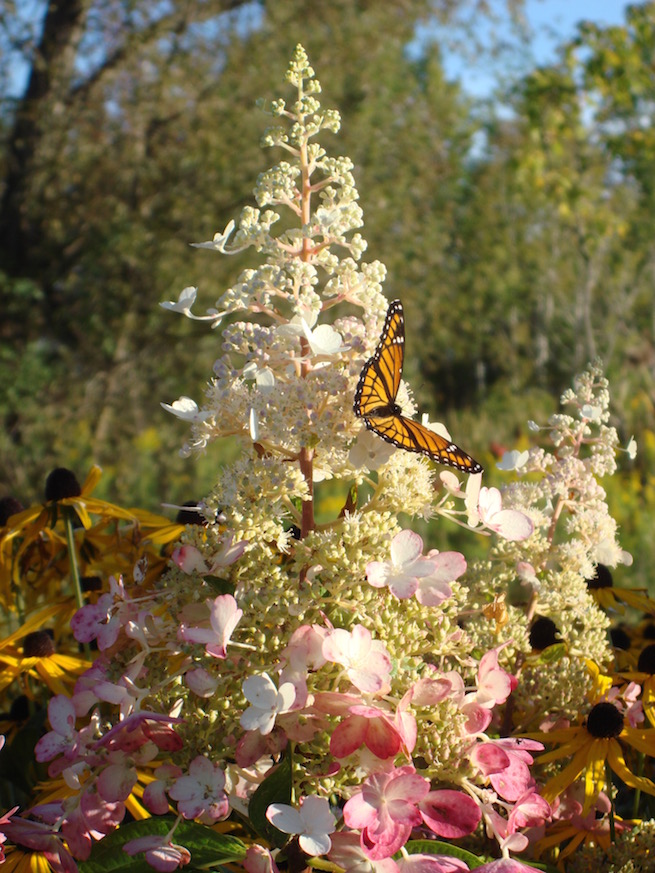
column 92, row 479
column 641, row 739
column 573, row 845
column 562, row 735
column 105, row 509
column 595, row 778
column 166, row 534
column 36, row 621
column 71, row 664
column 617, row 763
column 633, row 598
column 555, row 836
column 570, row 773
column 580, row 738
column 80, row 508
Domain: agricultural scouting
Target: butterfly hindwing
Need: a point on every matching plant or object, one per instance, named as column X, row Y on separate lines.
column 375, row 400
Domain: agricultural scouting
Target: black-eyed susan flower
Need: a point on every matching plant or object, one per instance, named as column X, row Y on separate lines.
column 570, row 829
column 22, row 860
column 592, row 745
column 38, row 662
column 36, row 544
column 645, row 676
column 610, row 596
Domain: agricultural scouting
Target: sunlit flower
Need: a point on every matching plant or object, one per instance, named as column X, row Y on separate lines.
column 312, row 821
column 266, row 702
column 572, row 828
column 590, row 746
column 610, row 596
column 39, row 661
column 201, row 793
column 407, row 566
column 366, row 661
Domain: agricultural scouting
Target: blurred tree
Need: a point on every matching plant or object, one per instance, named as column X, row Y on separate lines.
column 552, row 259
column 137, row 133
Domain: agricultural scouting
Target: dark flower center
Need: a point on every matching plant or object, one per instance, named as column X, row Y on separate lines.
column 620, row 639
column 602, row 578
column 543, row 633
column 9, row 506
column 648, row 631
column 646, row 662
column 91, row 583
column 191, row 516
column 604, row 721
column 61, row 483
column 38, row 644
column 20, row 708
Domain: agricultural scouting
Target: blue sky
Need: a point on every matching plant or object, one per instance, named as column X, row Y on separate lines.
column 551, row 23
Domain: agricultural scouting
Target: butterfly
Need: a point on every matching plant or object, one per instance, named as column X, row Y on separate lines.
column 375, row 400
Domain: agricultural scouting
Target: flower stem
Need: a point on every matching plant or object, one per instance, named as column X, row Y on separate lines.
column 608, row 782
column 637, row 795
column 68, row 515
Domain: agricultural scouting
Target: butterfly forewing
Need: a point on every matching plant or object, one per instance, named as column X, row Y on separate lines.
column 380, row 377
column 375, row 400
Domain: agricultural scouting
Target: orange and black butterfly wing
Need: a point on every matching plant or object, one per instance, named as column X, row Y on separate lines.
column 380, row 377
column 415, row 437
column 375, row 401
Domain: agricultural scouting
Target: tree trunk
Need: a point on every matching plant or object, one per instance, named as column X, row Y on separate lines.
column 52, row 64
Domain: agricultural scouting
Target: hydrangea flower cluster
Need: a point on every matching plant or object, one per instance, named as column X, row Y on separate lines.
column 335, row 686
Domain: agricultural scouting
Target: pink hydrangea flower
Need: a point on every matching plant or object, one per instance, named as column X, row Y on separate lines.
column 91, row 819
column 508, row 523
column 450, row 814
column 494, row 684
column 160, row 852
column 41, row 837
column 191, row 560
column 434, row 589
column 259, row 860
column 266, row 702
column 347, row 852
column 366, row 661
column 224, row 615
column 366, row 726
column 201, row 794
column 312, row 821
column 97, row 621
column 407, row 566
column 385, row 810
column 154, row 794
column 506, row 762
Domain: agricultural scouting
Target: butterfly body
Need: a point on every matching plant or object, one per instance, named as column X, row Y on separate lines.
column 375, row 400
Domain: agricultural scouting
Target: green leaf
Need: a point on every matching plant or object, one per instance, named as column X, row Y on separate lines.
column 221, row 586
column 208, row 848
column 276, row 788
column 436, row 847
column 553, row 653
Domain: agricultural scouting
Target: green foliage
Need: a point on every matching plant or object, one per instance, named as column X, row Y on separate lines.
column 276, row 788
column 520, row 243
column 209, row 849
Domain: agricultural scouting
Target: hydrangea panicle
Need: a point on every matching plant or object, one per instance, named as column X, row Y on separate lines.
column 333, row 655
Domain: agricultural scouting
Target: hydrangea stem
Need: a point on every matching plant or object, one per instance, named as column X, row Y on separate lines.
column 306, row 468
